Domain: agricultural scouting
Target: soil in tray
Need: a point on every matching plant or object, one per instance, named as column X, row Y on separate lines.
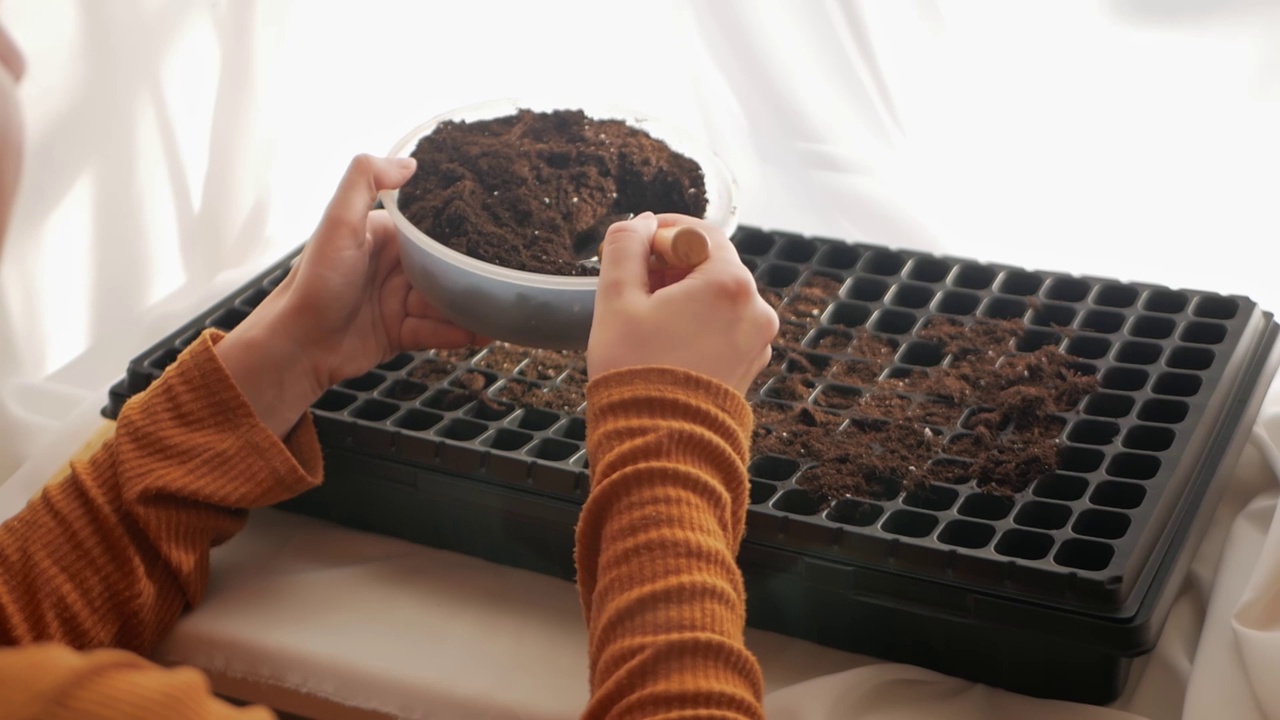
column 798, row 314
column 565, row 398
column 431, row 371
column 458, row 354
column 809, row 300
column 856, row 372
column 501, row 357
column 989, row 414
column 548, row 365
column 520, row 363
column 517, row 191
column 898, row 429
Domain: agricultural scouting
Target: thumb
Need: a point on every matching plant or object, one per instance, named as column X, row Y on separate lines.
column 625, row 251
column 366, row 176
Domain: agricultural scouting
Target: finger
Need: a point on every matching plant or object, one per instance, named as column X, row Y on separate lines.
column 723, row 256
column 624, row 269
column 660, row 278
column 381, row 227
column 419, row 306
column 366, row 176
column 383, row 230
column 384, row 242
column 426, row 333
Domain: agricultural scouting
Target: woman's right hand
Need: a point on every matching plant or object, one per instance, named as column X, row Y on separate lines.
column 710, row 320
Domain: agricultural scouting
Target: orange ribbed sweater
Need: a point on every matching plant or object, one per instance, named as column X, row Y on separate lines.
column 100, row 565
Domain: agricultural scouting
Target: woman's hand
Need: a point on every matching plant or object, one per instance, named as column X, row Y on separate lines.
column 710, row 320
column 346, row 306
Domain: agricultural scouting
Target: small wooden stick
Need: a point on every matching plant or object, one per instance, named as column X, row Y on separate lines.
column 684, row 247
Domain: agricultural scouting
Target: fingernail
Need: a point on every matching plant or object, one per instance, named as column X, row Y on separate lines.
column 647, row 220
column 406, row 163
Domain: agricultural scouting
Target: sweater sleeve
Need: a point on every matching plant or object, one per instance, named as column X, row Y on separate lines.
column 656, row 547
column 112, row 554
column 54, row 682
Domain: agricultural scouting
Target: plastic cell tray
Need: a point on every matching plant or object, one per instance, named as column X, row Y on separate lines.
column 1052, row 592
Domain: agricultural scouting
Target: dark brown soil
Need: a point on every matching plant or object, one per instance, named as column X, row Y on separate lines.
column 772, row 370
column 431, row 371
column 808, row 301
column 770, row 412
column 988, row 415
column 473, row 382
column 568, row 394
column 855, row 372
column 562, row 398
column 883, row 404
column 835, row 340
column 861, row 460
column 518, row 191
column 404, row 392
column 791, row 333
column 872, row 347
column 792, row 388
column 565, row 396
column 548, row 365
column 458, row 354
column 839, row 397
column 501, row 357
column 897, row 428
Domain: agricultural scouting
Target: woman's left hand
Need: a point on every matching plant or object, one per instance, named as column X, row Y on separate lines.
column 345, row 307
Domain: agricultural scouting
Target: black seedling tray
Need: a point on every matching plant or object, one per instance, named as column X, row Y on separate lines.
column 1050, row 592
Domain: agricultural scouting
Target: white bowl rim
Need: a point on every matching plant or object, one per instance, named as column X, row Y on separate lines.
column 709, row 162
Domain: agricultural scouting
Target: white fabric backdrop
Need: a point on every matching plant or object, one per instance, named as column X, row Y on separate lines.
column 175, row 146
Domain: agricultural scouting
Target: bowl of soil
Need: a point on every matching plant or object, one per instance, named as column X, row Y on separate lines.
column 508, row 194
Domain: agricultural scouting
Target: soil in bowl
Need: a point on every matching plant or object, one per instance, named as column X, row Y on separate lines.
column 518, row 191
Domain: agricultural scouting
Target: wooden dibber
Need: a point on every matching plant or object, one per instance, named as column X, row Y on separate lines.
column 684, row 247
column 681, row 247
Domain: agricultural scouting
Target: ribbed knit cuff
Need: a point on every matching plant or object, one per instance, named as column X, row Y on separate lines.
column 670, row 394
column 670, row 440
column 197, row 398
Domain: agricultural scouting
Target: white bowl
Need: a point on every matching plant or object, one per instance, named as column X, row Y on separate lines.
column 519, row 307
